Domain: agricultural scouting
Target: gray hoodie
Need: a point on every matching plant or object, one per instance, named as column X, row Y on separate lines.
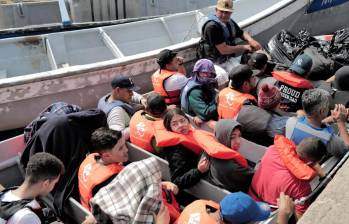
column 223, row 130
column 228, row 174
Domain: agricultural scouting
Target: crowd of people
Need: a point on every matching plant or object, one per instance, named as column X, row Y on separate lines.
column 295, row 118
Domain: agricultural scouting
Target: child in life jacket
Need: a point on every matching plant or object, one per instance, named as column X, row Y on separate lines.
column 230, row 171
column 142, row 123
column 175, row 135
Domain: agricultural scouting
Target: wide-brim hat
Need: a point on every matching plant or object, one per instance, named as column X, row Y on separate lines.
column 225, row 5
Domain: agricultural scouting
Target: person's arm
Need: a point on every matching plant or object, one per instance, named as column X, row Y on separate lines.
column 215, row 37
column 180, row 163
column 225, row 49
column 340, row 115
column 25, row 216
column 118, row 120
column 285, row 208
column 331, row 79
column 252, row 42
column 138, row 98
column 205, row 111
column 303, row 189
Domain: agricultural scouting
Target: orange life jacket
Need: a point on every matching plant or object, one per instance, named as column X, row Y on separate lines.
column 172, row 205
column 196, row 212
column 91, row 173
column 141, row 131
column 230, row 102
column 197, row 140
column 292, row 79
column 158, row 79
column 287, row 152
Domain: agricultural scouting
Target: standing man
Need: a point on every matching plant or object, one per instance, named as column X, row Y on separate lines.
column 117, row 105
column 170, row 78
column 218, row 40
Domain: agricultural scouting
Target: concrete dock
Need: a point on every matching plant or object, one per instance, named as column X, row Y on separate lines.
column 333, row 203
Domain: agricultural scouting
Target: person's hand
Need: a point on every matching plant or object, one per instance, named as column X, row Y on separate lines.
column 144, row 102
column 247, row 47
column 167, row 185
column 211, row 124
column 171, row 106
column 300, row 113
column 255, row 45
column 286, row 207
column 180, row 60
column 320, row 172
column 340, row 113
column 90, row 219
column 180, row 63
column 203, row 165
column 197, row 121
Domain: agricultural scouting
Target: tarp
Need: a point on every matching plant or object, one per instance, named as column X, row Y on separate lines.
column 318, row 5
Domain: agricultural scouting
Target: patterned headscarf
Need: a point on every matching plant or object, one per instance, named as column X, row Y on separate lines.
column 205, row 65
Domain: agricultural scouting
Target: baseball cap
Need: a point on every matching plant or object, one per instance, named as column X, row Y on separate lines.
column 165, row 56
column 225, row 5
column 258, row 60
column 241, row 208
column 302, row 64
column 341, row 80
column 242, row 71
column 123, row 82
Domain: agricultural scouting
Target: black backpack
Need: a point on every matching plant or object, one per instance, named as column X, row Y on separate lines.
column 8, row 209
column 54, row 109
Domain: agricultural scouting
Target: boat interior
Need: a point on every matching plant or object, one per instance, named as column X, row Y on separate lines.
column 12, row 174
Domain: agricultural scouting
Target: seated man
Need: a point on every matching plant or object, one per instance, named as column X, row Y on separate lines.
column 134, row 196
column 219, row 35
column 141, row 124
column 293, row 83
column 289, row 169
column 337, row 86
column 170, row 78
column 269, row 98
column 198, row 97
column 20, row 205
column 316, row 107
column 232, row 98
column 237, row 102
column 100, row 167
column 117, row 104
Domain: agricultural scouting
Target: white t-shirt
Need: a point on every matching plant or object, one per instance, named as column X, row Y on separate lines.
column 25, row 215
column 119, row 120
column 175, row 82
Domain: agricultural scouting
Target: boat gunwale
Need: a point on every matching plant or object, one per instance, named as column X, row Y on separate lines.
column 117, row 62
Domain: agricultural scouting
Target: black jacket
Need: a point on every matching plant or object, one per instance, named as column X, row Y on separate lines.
column 183, row 166
column 68, row 138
